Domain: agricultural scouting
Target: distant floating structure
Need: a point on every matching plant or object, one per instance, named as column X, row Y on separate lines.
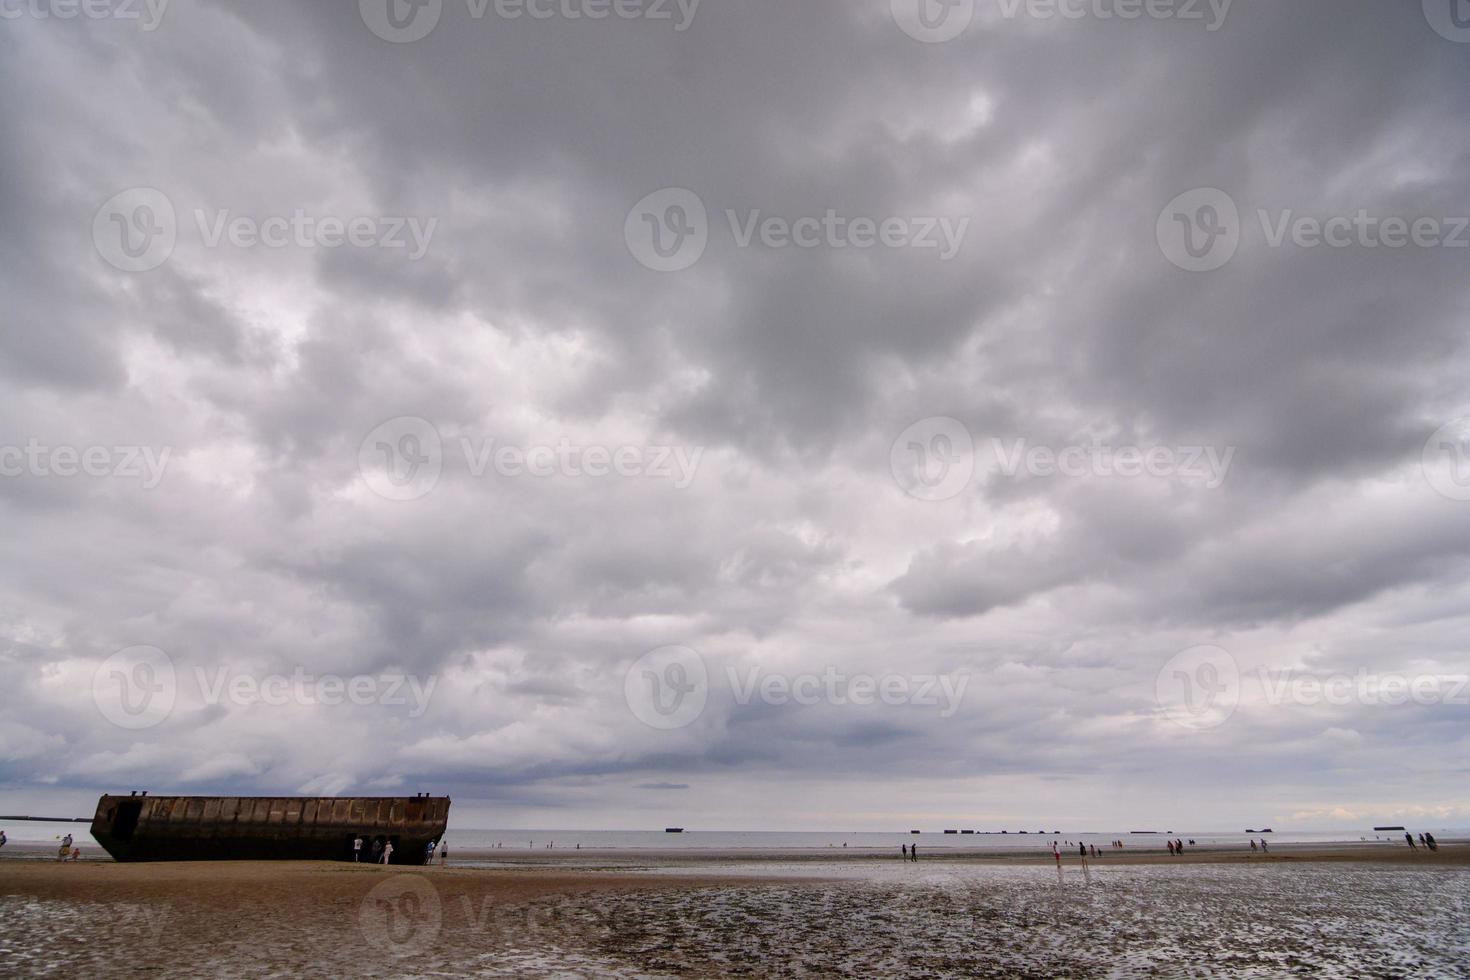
column 1375, row 828
column 673, row 830
column 266, row 828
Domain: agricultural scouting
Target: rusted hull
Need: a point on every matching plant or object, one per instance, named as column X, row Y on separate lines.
column 264, row 828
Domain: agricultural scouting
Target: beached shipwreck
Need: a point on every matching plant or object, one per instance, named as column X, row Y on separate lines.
column 262, row 828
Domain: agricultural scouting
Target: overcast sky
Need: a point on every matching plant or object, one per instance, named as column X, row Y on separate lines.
column 489, row 350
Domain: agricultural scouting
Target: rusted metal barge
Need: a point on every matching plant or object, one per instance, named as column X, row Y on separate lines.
column 259, row 828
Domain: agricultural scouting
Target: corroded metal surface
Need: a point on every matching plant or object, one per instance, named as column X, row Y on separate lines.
column 227, row 828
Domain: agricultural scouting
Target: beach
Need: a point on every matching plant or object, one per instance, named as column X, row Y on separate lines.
column 1319, row 911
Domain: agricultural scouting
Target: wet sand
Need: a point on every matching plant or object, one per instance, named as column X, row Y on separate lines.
column 1449, row 853
column 1313, row 910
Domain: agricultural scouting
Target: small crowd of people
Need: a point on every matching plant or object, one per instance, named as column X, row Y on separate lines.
column 1176, row 846
column 1425, row 840
column 380, row 851
column 1264, row 849
column 68, row 851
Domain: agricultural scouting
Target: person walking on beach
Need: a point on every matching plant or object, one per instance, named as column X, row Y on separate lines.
column 1410, row 838
column 1264, row 848
column 905, row 849
column 429, row 852
column 3, row 838
column 1429, row 840
column 1082, row 848
column 388, row 853
column 443, row 853
column 914, row 853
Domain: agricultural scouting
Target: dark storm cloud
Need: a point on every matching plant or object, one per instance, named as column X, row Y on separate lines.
column 528, row 320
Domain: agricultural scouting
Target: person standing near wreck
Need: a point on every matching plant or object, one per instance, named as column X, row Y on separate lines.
column 356, row 848
column 388, row 853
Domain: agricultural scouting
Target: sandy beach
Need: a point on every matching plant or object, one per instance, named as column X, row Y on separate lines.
column 1378, row 910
